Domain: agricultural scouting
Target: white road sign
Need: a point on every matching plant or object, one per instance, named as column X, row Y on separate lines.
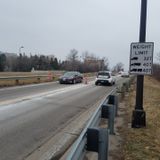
column 141, row 58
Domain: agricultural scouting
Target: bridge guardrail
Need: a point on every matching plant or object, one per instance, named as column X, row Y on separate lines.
column 83, row 143
column 93, row 138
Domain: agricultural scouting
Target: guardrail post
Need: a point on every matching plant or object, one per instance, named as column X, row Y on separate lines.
column 121, row 90
column 108, row 111
column 97, row 141
column 114, row 100
column 103, row 144
column 105, row 112
column 111, row 118
column 128, row 86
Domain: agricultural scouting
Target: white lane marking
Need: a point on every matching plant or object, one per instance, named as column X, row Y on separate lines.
column 45, row 94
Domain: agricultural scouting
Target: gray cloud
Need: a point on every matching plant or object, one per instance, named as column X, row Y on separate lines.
column 103, row 27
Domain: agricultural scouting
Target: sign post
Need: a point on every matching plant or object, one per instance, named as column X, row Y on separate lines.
column 139, row 115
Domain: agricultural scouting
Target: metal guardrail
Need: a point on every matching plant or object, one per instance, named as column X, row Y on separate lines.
column 107, row 109
column 17, row 79
column 22, row 77
column 79, row 147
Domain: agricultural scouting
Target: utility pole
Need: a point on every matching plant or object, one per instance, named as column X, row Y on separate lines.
column 139, row 115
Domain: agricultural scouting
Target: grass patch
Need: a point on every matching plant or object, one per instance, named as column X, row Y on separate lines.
column 24, row 81
column 144, row 143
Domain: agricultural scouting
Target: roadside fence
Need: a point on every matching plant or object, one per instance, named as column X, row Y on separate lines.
column 18, row 78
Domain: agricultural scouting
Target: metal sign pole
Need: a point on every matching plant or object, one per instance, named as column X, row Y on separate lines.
column 138, row 117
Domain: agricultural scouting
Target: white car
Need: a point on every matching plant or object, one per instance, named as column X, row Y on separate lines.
column 124, row 74
column 104, row 77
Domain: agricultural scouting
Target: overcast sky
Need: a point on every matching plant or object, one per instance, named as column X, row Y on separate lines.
column 103, row 27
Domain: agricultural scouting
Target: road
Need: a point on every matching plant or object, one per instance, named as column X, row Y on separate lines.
column 30, row 115
column 19, row 93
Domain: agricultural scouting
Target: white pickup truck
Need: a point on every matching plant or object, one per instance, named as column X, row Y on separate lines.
column 104, row 77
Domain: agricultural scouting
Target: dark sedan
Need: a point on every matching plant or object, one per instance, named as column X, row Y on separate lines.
column 71, row 78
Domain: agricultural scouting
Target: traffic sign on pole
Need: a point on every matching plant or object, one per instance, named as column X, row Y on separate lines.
column 141, row 58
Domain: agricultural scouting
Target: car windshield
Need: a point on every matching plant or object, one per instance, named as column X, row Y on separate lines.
column 103, row 74
column 68, row 74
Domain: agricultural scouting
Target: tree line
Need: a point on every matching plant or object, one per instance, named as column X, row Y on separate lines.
column 86, row 62
column 24, row 63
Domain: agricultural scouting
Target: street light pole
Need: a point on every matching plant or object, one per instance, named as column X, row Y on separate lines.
column 20, row 49
column 139, row 116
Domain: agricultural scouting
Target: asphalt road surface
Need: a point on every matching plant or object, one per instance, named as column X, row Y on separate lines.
column 30, row 115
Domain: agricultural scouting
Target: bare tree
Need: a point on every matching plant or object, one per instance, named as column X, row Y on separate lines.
column 105, row 63
column 118, row 67
column 92, row 63
column 73, row 55
column 87, row 62
column 72, row 61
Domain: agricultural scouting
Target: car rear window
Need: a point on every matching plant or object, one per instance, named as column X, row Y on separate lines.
column 103, row 74
column 69, row 74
